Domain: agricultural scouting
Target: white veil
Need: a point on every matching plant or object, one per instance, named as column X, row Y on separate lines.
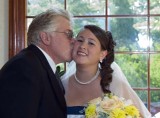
column 71, row 69
column 119, row 86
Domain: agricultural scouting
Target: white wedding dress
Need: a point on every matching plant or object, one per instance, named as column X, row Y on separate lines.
column 119, row 86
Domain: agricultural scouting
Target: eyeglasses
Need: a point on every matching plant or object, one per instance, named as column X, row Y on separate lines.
column 69, row 33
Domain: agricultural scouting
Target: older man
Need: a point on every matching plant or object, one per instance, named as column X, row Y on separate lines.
column 28, row 85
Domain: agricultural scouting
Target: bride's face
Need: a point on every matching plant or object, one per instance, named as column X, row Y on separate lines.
column 87, row 48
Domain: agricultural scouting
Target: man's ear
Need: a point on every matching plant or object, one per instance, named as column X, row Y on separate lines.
column 44, row 38
column 103, row 54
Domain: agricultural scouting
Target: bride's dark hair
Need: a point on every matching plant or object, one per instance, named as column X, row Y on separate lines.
column 107, row 43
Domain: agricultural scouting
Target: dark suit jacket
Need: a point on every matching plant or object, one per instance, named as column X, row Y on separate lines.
column 29, row 88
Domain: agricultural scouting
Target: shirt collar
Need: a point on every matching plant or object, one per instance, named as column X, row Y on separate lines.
column 49, row 59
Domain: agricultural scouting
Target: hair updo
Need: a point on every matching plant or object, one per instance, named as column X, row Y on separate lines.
column 107, row 43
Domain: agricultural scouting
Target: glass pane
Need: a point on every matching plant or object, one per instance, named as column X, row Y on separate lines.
column 143, row 96
column 155, row 70
column 61, row 68
column 155, row 33
column 130, row 34
column 127, row 7
column 29, row 20
column 154, row 7
column 35, row 7
column 80, row 22
column 155, row 102
column 86, row 7
column 134, row 66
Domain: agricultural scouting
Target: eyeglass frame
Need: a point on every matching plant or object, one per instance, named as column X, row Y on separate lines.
column 69, row 33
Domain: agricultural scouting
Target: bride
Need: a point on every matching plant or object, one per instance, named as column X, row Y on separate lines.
column 94, row 73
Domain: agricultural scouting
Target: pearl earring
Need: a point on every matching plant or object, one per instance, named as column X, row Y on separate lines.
column 99, row 65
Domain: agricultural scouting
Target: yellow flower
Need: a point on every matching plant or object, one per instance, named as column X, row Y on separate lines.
column 90, row 111
column 117, row 113
column 132, row 111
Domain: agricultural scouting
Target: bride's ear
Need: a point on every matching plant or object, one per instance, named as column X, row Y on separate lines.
column 103, row 54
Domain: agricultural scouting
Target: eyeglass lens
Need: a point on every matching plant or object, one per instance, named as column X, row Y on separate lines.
column 70, row 34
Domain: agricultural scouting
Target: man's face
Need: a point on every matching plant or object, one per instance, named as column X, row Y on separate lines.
column 60, row 48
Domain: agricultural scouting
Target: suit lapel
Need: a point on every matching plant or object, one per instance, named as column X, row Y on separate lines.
column 52, row 78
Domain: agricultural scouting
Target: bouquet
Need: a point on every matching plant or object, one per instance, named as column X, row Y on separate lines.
column 111, row 106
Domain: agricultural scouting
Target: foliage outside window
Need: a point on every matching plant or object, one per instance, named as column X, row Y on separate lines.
column 135, row 25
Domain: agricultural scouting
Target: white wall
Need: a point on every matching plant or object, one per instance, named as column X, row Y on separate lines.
column 4, row 9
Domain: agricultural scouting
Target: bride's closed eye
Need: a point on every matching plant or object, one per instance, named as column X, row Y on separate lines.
column 91, row 42
column 80, row 39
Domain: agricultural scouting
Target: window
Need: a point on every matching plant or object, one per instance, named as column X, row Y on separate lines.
column 135, row 25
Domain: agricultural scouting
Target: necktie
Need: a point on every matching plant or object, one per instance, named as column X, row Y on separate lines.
column 59, row 80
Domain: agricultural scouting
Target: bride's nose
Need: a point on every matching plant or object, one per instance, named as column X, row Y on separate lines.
column 83, row 45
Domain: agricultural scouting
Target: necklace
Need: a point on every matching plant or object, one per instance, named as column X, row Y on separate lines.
column 88, row 82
